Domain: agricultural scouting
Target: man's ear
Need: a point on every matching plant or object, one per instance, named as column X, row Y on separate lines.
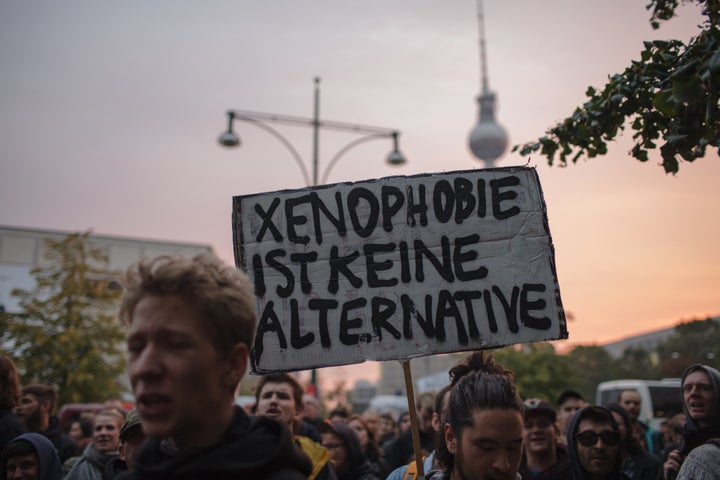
column 45, row 406
column 121, row 451
column 450, row 440
column 237, row 364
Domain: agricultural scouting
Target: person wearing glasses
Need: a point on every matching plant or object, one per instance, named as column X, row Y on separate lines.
column 347, row 457
column 593, row 441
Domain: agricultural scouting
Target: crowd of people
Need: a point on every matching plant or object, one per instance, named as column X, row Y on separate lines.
column 189, row 323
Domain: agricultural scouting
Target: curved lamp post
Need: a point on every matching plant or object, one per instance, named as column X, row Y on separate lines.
column 230, row 139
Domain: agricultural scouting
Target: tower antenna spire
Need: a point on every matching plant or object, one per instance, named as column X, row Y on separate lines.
column 481, row 41
column 488, row 140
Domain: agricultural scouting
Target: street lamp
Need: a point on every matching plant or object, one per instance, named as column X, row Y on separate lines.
column 230, row 139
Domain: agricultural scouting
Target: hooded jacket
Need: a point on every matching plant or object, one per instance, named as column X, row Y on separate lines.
column 693, row 435
column 577, row 470
column 50, row 468
column 64, row 444
column 358, row 468
column 251, row 448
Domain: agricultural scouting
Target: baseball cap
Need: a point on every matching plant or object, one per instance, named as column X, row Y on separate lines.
column 537, row 406
column 132, row 421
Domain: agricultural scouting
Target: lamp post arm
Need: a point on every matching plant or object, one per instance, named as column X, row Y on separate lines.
column 346, row 148
column 281, row 138
column 309, row 122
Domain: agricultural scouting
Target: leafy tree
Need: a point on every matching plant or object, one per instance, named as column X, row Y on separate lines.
column 589, row 365
column 671, row 92
column 637, row 363
column 66, row 333
column 696, row 341
column 537, row 369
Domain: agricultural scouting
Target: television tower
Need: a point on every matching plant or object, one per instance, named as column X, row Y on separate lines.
column 488, row 140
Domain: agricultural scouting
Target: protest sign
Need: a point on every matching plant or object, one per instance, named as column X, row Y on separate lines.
column 398, row 267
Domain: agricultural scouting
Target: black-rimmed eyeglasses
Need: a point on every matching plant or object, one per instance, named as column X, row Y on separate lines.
column 589, row 439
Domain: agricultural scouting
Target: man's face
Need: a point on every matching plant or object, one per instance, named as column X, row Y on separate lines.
column 425, row 416
column 630, row 402
column 539, row 434
column 372, row 419
column 698, row 397
column 567, row 410
column 75, row 431
column 276, row 401
column 599, row 458
column 404, row 423
column 338, row 450
column 182, row 384
column 106, row 431
column 30, row 412
column 385, row 427
column 311, row 407
column 25, row 467
column 490, row 449
column 360, row 431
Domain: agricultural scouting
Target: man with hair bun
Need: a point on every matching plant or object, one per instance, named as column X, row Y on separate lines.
column 482, row 436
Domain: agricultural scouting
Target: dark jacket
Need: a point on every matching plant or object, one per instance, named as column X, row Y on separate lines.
column 358, row 468
column 637, row 463
column 400, row 451
column 10, row 427
column 64, row 444
column 577, row 470
column 50, row 468
column 251, row 448
column 560, row 471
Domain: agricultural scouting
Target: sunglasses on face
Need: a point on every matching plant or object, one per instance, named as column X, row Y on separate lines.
column 589, row 439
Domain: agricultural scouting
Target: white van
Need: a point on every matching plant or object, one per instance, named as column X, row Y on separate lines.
column 660, row 398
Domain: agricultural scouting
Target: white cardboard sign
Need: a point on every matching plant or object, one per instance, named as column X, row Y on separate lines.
column 398, row 267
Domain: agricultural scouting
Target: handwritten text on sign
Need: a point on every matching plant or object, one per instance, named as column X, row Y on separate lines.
column 398, row 267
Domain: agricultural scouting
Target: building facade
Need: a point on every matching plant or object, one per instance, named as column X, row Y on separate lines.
column 22, row 249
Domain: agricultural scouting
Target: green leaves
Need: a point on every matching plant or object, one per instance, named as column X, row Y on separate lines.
column 670, row 94
column 67, row 334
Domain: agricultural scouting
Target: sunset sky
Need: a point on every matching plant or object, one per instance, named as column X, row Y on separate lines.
column 109, row 115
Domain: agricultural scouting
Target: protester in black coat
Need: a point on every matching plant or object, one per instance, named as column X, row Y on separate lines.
column 349, row 461
column 30, row 454
column 604, row 444
column 256, row 447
